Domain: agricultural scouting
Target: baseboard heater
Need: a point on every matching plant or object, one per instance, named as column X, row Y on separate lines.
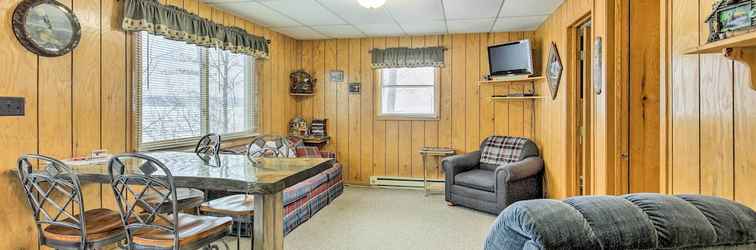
column 393, row 181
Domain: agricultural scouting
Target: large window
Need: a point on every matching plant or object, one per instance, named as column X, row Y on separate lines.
column 408, row 93
column 185, row 91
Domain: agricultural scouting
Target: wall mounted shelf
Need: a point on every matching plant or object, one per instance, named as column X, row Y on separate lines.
column 301, row 94
column 529, row 79
column 516, row 98
column 740, row 48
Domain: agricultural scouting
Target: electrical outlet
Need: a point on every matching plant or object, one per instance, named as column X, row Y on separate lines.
column 12, row 106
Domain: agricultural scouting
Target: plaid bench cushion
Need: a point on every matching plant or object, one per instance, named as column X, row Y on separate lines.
column 497, row 150
column 318, row 198
column 335, row 191
column 296, row 192
column 334, row 172
column 295, row 214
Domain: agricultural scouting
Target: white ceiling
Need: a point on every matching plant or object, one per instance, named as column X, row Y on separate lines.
column 322, row 19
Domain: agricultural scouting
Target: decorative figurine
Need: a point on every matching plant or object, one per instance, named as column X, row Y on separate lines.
column 301, row 82
column 730, row 17
column 298, row 127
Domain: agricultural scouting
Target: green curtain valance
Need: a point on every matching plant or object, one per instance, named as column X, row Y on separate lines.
column 178, row 24
column 408, row 57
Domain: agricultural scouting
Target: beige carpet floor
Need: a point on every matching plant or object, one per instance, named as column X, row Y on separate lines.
column 389, row 219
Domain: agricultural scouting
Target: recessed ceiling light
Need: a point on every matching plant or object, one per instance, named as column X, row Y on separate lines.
column 371, row 4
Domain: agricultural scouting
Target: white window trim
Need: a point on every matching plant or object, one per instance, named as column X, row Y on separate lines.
column 408, row 116
column 253, row 104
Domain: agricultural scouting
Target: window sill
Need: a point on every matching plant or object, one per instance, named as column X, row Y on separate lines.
column 406, row 118
column 227, row 141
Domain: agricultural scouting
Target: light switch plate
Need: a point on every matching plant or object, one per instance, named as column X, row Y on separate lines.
column 12, row 106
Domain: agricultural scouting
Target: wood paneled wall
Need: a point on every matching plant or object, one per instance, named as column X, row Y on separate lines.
column 81, row 101
column 371, row 147
column 709, row 125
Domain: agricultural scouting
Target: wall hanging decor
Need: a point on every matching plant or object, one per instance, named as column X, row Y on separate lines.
column 46, row 27
column 301, row 82
column 337, row 75
column 598, row 75
column 554, row 70
column 354, row 88
column 731, row 17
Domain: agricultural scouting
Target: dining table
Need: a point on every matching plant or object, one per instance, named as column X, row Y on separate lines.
column 264, row 178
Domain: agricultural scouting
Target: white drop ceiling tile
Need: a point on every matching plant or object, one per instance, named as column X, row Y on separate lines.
column 424, row 28
column 354, row 13
column 381, row 29
column 415, row 10
column 307, row 12
column 472, row 9
column 528, row 7
column 258, row 13
column 528, row 23
column 469, row 25
column 301, row 33
column 340, row 31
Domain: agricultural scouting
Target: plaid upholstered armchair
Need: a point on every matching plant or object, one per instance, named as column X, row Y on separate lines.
column 505, row 170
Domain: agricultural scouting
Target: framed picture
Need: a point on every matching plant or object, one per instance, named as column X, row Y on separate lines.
column 598, row 75
column 337, row 75
column 554, row 70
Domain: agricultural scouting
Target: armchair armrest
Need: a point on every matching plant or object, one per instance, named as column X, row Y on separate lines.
column 454, row 165
column 516, row 171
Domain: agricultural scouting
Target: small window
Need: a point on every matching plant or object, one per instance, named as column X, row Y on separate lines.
column 408, row 93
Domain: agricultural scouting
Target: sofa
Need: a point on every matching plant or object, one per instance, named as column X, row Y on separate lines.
column 634, row 221
column 305, row 199
column 505, row 170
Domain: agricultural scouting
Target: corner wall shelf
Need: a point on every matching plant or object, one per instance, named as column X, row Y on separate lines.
column 740, row 48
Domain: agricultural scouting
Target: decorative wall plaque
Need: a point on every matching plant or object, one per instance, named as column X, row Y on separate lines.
column 554, row 71
column 354, row 88
column 337, row 75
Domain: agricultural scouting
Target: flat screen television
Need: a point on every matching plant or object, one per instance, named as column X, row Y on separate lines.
column 515, row 58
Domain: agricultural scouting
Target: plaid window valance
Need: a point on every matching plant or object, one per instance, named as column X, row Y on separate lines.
column 408, row 57
column 178, row 24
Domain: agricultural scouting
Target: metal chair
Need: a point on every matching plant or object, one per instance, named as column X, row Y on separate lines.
column 54, row 194
column 150, row 225
column 270, row 146
column 240, row 207
column 209, row 145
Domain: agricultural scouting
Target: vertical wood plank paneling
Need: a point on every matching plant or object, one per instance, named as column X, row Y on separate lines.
column 501, row 109
column 86, row 79
column 354, row 109
column 685, row 99
column 716, row 119
column 342, row 107
column 113, row 79
column 330, row 88
column 366, row 111
column 745, row 136
column 320, row 73
column 485, row 105
column 472, row 99
column 445, row 122
column 307, row 65
column 431, row 127
column 459, row 92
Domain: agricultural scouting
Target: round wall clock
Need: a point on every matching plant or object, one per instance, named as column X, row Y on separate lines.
column 46, row 27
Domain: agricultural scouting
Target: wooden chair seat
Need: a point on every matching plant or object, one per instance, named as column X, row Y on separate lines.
column 101, row 223
column 191, row 229
column 186, row 198
column 235, row 205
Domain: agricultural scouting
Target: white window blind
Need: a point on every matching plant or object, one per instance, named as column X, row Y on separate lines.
column 185, row 91
column 409, row 92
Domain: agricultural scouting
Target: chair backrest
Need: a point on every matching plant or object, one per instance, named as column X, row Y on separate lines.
column 135, row 178
column 208, row 145
column 270, row 146
column 498, row 150
column 53, row 193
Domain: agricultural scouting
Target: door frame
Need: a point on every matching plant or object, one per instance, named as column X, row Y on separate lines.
column 573, row 91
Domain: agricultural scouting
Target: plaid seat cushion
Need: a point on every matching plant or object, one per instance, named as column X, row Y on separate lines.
column 497, row 150
column 308, row 152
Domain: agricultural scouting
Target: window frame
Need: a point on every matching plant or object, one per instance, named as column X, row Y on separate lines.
column 378, row 73
column 252, row 98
